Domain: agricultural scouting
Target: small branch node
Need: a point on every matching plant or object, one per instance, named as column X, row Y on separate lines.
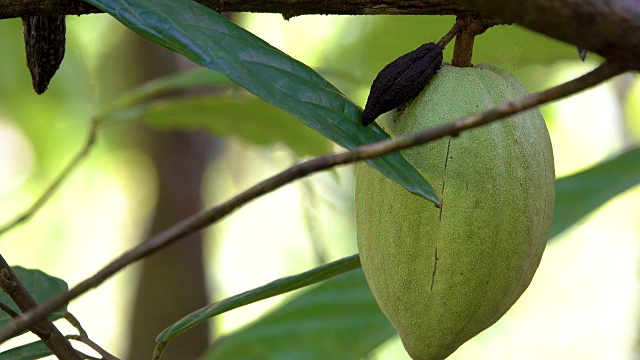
column 8, row 285
column 469, row 28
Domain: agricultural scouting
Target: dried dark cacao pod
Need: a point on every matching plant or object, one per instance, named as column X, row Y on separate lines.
column 402, row 80
column 44, row 41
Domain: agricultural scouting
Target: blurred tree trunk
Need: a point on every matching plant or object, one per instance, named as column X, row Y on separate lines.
column 171, row 283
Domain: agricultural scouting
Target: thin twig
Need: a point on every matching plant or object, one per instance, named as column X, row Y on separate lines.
column 71, row 319
column 83, row 337
column 470, row 23
column 97, row 348
column 7, row 310
column 201, row 220
column 39, row 203
column 453, row 32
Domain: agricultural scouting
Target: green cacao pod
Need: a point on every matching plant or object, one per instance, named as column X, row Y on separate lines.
column 443, row 275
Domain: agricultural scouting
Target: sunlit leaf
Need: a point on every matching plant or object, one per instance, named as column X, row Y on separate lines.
column 271, row 289
column 41, row 286
column 339, row 319
column 578, row 195
column 31, row 351
column 207, row 38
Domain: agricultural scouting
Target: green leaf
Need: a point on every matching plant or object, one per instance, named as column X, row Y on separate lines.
column 271, row 289
column 246, row 117
column 220, row 114
column 41, row 286
column 579, row 194
column 207, row 38
column 339, row 319
column 31, row 351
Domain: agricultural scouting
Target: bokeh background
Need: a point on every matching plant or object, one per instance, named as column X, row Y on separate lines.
column 584, row 302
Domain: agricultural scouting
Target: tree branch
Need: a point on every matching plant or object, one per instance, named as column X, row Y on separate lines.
column 609, row 28
column 43, row 327
column 288, row 8
column 201, row 220
column 19, row 8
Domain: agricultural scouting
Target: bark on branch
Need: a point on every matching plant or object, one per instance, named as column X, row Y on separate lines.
column 609, row 28
column 19, row 8
column 288, row 8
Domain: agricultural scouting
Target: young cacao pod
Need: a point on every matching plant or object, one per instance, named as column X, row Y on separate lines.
column 443, row 275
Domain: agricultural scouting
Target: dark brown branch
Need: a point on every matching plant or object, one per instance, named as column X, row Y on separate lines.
column 6, row 309
column 609, row 28
column 288, row 8
column 200, row 221
column 291, row 8
column 20, row 8
column 43, row 328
